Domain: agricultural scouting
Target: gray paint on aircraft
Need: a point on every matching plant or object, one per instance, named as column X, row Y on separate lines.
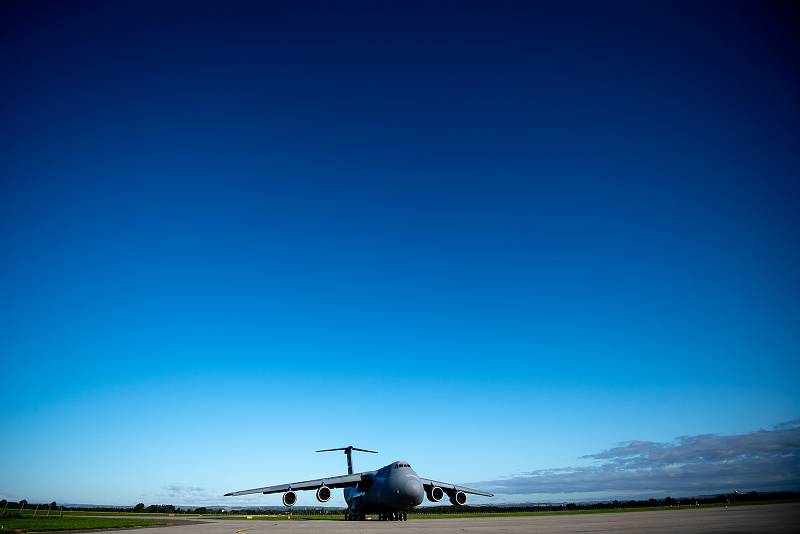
column 391, row 489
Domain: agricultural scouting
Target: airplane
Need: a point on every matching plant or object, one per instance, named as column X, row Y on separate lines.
column 390, row 491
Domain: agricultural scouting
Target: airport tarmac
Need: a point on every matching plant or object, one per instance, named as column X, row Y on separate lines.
column 756, row 518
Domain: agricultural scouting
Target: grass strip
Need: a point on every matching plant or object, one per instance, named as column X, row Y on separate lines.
column 30, row 524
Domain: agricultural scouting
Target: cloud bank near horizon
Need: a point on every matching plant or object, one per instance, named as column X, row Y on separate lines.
column 690, row 465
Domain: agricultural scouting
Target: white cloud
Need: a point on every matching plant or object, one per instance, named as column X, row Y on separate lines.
column 691, row 465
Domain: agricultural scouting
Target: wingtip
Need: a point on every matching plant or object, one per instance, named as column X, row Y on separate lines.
column 227, row 494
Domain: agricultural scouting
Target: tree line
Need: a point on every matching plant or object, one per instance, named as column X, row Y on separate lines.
column 728, row 498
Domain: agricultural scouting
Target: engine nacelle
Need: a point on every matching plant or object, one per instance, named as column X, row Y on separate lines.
column 458, row 498
column 435, row 493
column 289, row 498
column 323, row 493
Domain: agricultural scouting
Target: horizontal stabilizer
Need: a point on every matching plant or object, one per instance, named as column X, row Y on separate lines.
column 351, row 448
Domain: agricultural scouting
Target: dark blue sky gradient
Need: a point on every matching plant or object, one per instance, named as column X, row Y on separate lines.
column 467, row 210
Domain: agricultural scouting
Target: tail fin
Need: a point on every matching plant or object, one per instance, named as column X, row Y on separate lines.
column 349, row 452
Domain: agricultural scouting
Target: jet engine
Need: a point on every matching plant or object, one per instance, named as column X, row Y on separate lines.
column 435, row 493
column 323, row 493
column 459, row 498
column 289, row 498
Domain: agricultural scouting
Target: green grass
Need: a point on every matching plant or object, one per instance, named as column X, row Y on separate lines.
column 101, row 513
column 26, row 524
column 42, row 513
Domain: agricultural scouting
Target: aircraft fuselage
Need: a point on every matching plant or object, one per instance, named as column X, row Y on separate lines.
column 395, row 487
column 390, row 491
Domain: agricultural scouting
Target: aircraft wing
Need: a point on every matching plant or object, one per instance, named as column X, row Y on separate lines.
column 343, row 481
column 452, row 487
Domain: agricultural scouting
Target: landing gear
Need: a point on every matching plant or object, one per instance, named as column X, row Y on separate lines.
column 393, row 516
column 387, row 516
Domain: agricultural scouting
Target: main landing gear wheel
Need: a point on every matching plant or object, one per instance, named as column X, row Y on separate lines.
column 393, row 516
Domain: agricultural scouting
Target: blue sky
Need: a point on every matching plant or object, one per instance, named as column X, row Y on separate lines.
column 491, row 240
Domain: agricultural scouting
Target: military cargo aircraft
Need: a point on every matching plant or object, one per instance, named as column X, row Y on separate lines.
column 390, row 491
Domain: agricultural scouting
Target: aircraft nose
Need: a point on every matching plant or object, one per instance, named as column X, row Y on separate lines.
column 414, row 491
